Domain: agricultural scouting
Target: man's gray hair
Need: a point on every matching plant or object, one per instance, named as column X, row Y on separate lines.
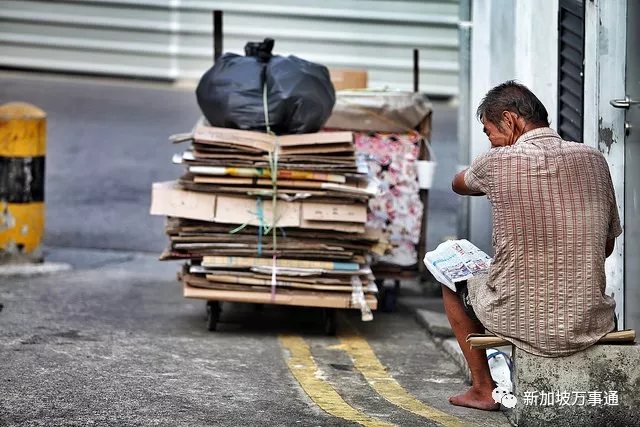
column 515, row 97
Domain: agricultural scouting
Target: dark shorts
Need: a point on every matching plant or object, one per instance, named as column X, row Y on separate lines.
column 463, row 293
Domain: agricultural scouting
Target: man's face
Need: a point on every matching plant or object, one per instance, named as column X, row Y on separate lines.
column 498, row 137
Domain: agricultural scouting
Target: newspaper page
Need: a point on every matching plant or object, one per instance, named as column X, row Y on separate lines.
column 456, row 260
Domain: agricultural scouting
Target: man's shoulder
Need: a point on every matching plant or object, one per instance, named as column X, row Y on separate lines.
column 497, row 152
column 573, row 145
column 484, row 158
column 581, row 149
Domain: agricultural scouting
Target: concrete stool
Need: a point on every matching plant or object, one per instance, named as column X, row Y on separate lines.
column 599, row 386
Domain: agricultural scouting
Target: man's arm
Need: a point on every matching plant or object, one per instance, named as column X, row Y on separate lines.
column 458, row 185
column 609, row 247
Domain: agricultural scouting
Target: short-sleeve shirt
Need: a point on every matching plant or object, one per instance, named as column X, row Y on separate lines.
column 553, row 210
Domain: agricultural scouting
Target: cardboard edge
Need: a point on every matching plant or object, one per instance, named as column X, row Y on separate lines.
column 313, row 299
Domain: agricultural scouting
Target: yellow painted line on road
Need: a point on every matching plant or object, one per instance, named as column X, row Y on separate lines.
column 366, row 362
column 305, row 370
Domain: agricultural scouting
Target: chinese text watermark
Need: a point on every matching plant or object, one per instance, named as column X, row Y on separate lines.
column 570, row 398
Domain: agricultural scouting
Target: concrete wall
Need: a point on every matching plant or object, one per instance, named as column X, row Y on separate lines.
column 509, row 40
column 604, row 79
column 518, row 40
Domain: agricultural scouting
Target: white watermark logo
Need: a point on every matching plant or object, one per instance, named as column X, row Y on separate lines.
column 504, row 396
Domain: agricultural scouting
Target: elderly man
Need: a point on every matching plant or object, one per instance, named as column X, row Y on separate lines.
column 555, row 221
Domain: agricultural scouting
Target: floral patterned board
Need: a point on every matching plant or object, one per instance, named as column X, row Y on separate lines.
column 392, row 159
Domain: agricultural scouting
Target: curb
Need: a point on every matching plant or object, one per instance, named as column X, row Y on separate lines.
column 436, row 323
column 437, row 326
column 452, row 348
column 30, row 270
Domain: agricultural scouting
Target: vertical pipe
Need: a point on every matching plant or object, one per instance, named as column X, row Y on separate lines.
column 464, row 108
column 217, row 34
column 416, row 70
column 424, row 193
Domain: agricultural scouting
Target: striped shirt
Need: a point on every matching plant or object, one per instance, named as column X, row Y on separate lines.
column 553, row 209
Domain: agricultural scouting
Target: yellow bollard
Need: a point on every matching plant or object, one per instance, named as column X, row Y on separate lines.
column 23, row 131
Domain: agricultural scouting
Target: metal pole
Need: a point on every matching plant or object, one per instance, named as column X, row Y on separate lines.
column 424, row 193
column 464, row 108
column 217, row 34
column 416, row 70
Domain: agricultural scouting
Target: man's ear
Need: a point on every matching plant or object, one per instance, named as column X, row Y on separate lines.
column 507, row 120
column 510, row 119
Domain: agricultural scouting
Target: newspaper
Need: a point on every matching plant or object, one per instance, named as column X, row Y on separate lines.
column 456, row 260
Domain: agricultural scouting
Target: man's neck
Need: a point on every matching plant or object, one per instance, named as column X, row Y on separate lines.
column 527, row 127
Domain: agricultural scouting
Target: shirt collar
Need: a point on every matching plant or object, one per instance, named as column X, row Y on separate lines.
column 544, row 132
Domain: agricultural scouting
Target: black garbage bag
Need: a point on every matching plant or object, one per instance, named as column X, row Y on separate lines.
column 300, row 95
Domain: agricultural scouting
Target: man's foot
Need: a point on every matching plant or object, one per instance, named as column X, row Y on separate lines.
column 475, row 399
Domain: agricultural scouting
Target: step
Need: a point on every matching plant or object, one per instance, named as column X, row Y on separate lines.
column 595, row 387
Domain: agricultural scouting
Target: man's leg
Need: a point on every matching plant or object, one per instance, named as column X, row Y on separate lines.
column 479, row 396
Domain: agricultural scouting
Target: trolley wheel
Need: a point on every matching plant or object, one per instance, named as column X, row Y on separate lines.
column 389, row 302
column 330, row 321
column 213, row 314
column 387, row 296
column 381, row 296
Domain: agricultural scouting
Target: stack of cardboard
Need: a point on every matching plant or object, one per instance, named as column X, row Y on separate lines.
column 251, row 201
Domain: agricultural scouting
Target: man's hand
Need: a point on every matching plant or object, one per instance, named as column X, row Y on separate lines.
column 459, row 186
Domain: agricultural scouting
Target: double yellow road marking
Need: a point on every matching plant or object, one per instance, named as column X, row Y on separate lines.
column 305, row 370
column 366, row 362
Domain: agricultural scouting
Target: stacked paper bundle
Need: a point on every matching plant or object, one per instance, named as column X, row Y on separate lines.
column 269, row 219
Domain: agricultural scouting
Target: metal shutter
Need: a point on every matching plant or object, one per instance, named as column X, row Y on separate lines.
column 172, row 39
column 571, row 69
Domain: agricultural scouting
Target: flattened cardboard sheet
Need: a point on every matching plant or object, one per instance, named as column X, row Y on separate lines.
column 282, row 297
column 261, row 142
column 169, row 200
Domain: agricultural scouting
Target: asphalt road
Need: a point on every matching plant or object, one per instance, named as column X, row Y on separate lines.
column 114, row 342
column 107, row 143
column 119, row 346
